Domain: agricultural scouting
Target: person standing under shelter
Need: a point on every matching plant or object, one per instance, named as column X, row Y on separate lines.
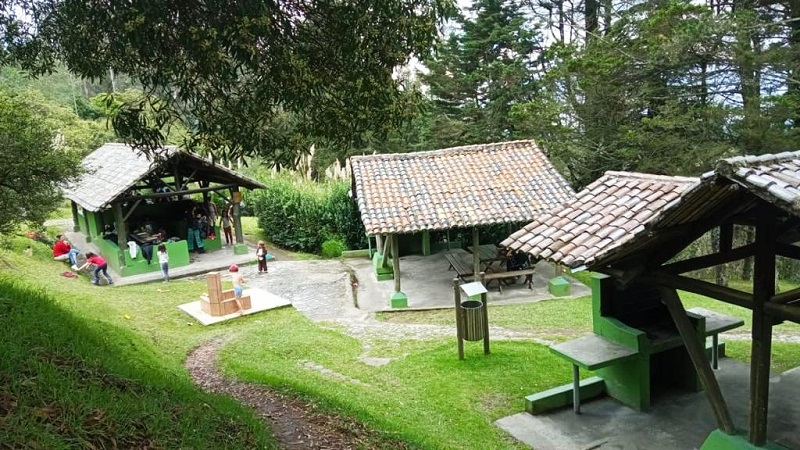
column 225, row 223
column 62, row 251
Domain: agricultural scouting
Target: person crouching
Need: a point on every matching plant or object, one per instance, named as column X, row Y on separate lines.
column 100, row 265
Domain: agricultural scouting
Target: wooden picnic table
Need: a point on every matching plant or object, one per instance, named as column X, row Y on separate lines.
column 488, row 254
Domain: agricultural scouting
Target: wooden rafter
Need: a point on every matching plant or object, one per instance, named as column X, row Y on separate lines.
column 705, row 261
column 712, row 290
column 178, row 193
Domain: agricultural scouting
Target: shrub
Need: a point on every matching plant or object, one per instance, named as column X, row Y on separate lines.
column 332, row 248
column 300, row 214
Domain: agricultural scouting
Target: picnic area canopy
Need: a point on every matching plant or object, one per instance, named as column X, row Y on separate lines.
column 457, row 187
column 114, row 168
column 631, row 226
column 122, row 179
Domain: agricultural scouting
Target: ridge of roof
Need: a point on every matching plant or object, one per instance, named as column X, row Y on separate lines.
column 727, row 166
column 471, row 148
column 652, row 177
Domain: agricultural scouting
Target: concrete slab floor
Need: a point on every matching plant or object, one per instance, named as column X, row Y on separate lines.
column 678, row 420
column 428, row 284
column 200, row 263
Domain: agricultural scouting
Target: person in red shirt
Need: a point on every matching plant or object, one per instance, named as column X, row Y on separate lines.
column 100, row 265
column 62, row 251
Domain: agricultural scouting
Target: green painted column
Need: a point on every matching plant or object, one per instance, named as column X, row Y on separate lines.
column 122, row 233
column 76, row 224
column 426, row 243
column 398, row 299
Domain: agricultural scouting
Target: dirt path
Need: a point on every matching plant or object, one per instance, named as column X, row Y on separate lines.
column 295, row 424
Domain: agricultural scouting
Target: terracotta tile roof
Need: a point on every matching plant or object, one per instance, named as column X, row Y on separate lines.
column 113, row 168
column 456, row 187
column 605, row 215
column 774, row 178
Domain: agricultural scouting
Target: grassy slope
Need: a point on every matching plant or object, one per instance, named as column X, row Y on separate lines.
column 74, row 373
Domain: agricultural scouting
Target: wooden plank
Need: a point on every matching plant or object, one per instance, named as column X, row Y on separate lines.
column 787, row 250
column 698, row 356
column 476, row 258
column 396, row 261
column 702, row 262
column 717, row 323
column 784, row 312
column 712, row 290
column 786, row 297
column 592, row 352
column 459, row 330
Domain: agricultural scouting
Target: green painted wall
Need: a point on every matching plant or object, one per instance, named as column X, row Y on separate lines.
column 658, row 363
column 178, row 257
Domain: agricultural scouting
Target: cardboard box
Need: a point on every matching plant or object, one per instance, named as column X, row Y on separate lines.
column 229, row 306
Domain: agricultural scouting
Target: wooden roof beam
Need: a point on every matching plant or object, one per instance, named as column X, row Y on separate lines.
column 715, row 259
column 712, row 290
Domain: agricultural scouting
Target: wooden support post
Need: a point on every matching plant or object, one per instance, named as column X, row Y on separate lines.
column 725, row 237
column 761, row 347
column 476, row 257
column 576, row 389
column 122, row 233
column 485, row 312
column 698, row 356
column 459, row 315
column 387, row 245
column 237, row 216
column 379, row 242
column 76, row 225
column 396, row 261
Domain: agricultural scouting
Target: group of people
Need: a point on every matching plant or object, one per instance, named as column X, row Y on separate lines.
column 200, row 222
column 63, row 251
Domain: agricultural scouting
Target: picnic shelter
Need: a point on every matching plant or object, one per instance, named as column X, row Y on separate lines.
column 459, row 187
column 630, row 229
column 125, row 203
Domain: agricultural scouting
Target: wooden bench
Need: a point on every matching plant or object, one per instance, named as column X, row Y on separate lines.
column 590, row 352
column 463, row 271
column 500, row 277
column 594, row 352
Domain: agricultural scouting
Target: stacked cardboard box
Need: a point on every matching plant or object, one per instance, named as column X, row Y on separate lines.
column 218, row 302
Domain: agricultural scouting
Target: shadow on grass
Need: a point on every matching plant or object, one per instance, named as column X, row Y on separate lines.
column 67, row 382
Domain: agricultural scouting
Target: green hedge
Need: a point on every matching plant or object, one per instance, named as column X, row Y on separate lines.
column 301, row 215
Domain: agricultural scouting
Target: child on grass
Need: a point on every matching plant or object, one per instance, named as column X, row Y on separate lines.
column 237, row 280
column 163, row 261
column 100, row 265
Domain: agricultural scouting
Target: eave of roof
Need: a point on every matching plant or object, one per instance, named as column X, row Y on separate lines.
column 602, row 218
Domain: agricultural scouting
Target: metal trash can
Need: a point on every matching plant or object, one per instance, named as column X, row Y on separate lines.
column 472, row 317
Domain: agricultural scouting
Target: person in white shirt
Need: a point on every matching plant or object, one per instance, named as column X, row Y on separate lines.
column 163, row 261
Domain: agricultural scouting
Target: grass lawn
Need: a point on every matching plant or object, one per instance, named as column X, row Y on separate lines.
column 81, row 363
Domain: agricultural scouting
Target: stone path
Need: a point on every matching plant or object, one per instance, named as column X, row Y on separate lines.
column 326, row 296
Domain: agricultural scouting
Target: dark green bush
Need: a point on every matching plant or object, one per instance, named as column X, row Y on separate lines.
column 333, row 248
column 301, row 214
